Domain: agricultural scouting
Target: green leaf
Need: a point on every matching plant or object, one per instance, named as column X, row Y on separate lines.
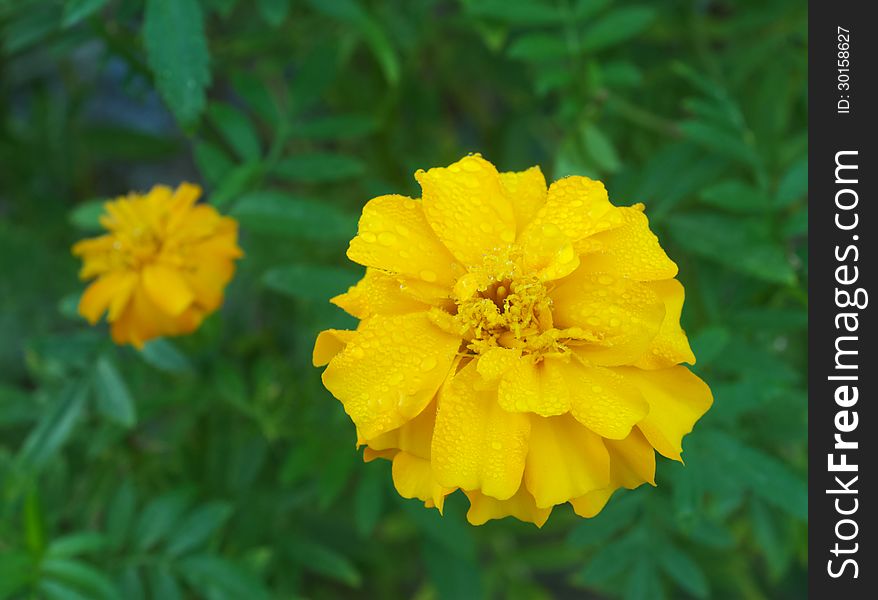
column 81, row 576
column 177, row 53
column 454, row 576
column 368, row 500
column 164, row 355
column 120, row 514
column 793, row 184
column 275, row 212
column 600, row 148
column 310, row 282
column 212, row 161
column 274, row 11
column 643, row 582
column 236, row 129
column 235, row 183
column 737, row 197
column 617, row 27
column 339, row 127
column 163, row 583
column 16, row 572
column 318, row 167
column 77, row 10
column 720, row 142
column 684, row 571
column 197, row 527
column 85, row 216
column 764, row 475
column 610, row 560
column 740, row 244
column 538, row 47
column 54, row 428
column 206, row 573
column 323, row 560
column 159, row 518
column 75, row 544
column 528, row 13
column 769, row 538
column 708, row 344
column 114, row 401
column 52, row 590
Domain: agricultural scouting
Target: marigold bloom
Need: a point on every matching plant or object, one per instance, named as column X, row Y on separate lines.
column 161, row 268
column 518, row 343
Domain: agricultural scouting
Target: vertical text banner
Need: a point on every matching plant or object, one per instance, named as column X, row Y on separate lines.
column 843, row 188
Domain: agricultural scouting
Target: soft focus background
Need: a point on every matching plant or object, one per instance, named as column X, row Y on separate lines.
column 216, row 466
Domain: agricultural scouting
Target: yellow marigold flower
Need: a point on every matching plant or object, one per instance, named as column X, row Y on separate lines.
column 518, row 343
column 161, row 267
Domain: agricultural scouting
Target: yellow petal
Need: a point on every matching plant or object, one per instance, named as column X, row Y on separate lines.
column 632, row 460
column 603, row 400
column 394, row 236
column 414, row 436
column 592, row 503
column 328, row 344
column 548, row 253
column 112, row 291
column 632, row 463
column 167, row 288
column 526, row 191
column 522, row 506
column 565, row 460
column 621, row 316
column 389, row 371
column 476, row 444
column 677, row 399
column 631, row 250
column 369, row 454
column 671, row 346
column 537, row 387
column 377, row 294
column 492, row 364
column 467, row 207
column 579, row 207
column 413, row 478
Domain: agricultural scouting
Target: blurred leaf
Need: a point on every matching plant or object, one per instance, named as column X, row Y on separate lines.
column 742, row 245
column 236, row 129
column 235, row 182
column 120, row 514
column 318, row 167
column 737, row 197
column 82, row 576
column 176, row 48
column 163, row 584
column 684, row 571
column 454, row 576
column 207, row 572
column 720, row 142
column 54, row 427
column 77, row 10
column 307, row 282
column 600, row 148
column 158, row 518
column 643, row 583
column 213, row 163
column 114, row 400
column 322, row 560
column 708, row 344
column 616, row 27
column 526, row 12
column 794, row 183
column 338, row 127
column 53, row 590
column 16, row 571
column 77, row 544
column 768, row 536
column 85, row 216
column 368, row 500
column 164, row 355
column 274, row 11
column 197, row 527
column 538, row 47
column 131, row 585
column 275, row 212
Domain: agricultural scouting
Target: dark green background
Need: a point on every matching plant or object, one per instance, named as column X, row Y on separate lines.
column 216, row 465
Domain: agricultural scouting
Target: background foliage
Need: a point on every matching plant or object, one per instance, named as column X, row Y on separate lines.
column 216, row 466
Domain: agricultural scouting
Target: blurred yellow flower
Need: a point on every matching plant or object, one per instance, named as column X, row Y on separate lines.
column 161, row 268
column 518, row 343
